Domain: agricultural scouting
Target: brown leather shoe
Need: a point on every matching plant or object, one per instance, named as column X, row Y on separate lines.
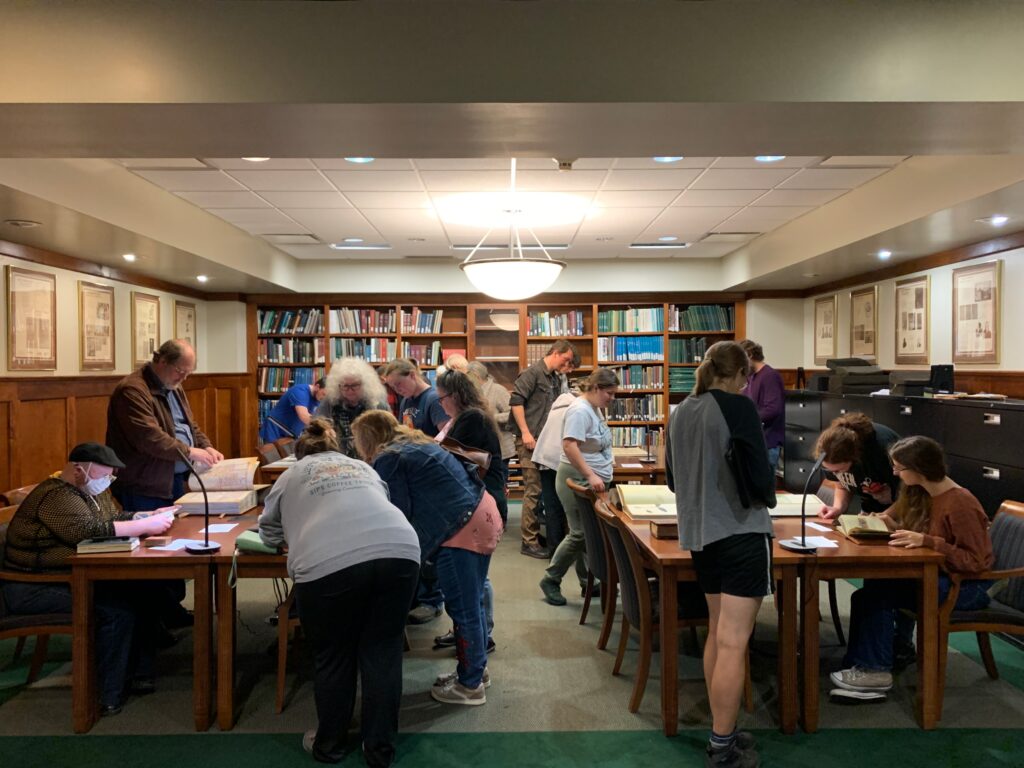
column 535, row 551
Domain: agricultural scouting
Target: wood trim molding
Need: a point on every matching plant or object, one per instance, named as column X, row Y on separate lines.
column 444, row 299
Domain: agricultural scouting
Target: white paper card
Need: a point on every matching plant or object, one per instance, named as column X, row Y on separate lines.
column 219, row 528
column 818, row 527
column 175, row 545
column 631, row 466
column 821, row 542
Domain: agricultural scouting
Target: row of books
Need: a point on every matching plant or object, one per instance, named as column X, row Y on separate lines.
column 622, row 348
column 569, row 323
column 688, row 350
column 345, row 320
column 266, row 405
column 681, row 379
column 419, row 321
column 635, row 437
column 645, row 408
column 290, row 321
column 280, row 379
column 630, row 320
column 370, row 350
column 536, row 352
column 640, row 377
column 290, row 351
column 424, row 354
column 702, row 317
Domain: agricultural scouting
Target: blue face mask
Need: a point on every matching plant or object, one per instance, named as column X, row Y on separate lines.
column 96, row 486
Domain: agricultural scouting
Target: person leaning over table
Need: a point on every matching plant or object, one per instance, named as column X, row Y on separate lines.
column 587, row 460
column 856, row 452
column 458, row 525
column 43, row 534
column 354, row 559
column 730, row 542
column 293, row 411
column 352, row 388
column 932, row 511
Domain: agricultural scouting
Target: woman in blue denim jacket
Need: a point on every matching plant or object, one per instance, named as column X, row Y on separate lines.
column 458, row 526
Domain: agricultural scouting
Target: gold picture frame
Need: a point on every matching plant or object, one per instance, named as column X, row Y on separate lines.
column 826, row 316
column 912, row 321
column 31, row 320
column 975, row 310
column 185, row 321
column 96, row 327
column 864, row 322
column 145, row 327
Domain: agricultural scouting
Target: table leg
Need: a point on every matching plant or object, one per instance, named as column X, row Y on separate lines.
column 788, row 679
column 202, row 662
column 809, row 618
column 669, row 651
column 225, row 650
column 83, row 653
column 928, row 662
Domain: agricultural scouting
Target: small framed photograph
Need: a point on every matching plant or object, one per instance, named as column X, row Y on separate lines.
column 976, row 313
column 185, row 321
column 31, row 320
column 912, row 321
column 826, row 313
column 145, row 327
column 864, row 322
column 96, row 327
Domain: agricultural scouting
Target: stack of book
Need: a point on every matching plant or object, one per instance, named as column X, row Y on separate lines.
column 229, row 488
column 370, row 350
column 681, row 379
column 555, row 324
column 107, row 544
column 419, row 321
column 305, row 321
column 630, row 320
column 701, row 317
column 626, row 348
column 345, row 320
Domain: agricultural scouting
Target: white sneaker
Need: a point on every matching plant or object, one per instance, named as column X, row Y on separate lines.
column 451, row 677
column 456, row 693
column 859, row 679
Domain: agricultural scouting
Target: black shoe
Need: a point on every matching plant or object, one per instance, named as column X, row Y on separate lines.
column 163, row 637
column 109, row 710
column 536, row 551
column 552, row 591
column 903, row 656
column 447, row 640
column 491, row 647
column 143, row 686
column 595, row 592
column 731, row 757
column 178, row 618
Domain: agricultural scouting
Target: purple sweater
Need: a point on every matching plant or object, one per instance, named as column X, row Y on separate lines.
column 766, row 390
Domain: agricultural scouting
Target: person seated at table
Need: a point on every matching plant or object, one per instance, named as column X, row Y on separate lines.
column 351, row 388
column 726, row 527
column 293, row 411
column 354, row 559
column 458, row 525
column 856, row 452
column 41, row 538
column 932, row 511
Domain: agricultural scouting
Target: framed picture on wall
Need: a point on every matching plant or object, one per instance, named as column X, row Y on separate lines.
column 912, row 322
column 864, row 322
column 31, row 320
column 95, row 327
column 145, row 327
column 185, row 321
column 976, row 313
column 825, row 316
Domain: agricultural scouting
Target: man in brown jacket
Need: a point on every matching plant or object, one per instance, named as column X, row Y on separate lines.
column 150, row 427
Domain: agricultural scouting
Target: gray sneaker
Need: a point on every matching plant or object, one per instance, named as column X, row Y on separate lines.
column 307, row 740
column 552, row 591
column 859, row 679
column 421, row 614
column 455, row 692
column 731, row 757
column 453, row 677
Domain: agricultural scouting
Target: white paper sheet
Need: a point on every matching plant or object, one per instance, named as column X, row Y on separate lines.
column 818, row 527
column 219, row 528
column 631, row 466
column 821, row 542
column 175, row 545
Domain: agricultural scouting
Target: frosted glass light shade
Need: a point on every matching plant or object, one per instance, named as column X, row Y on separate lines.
column 512, row 279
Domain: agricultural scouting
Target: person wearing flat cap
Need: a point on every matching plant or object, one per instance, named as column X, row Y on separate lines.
column 73, row 505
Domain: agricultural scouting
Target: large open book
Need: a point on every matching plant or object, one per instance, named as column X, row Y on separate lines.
column 862, row 526
column 229, row 486
column 647, row 502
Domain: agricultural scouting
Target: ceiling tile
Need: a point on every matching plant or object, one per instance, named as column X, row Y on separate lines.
column 367, row 200
column 160, row 162
column 463, row 164
column 224, row 199
column 381, row 164
column 553, row 181
column 690, row 220
column 257, row 228
column 191, row 181
column 634, row 199
column 831, row 178
column 749, row 162
column 465, row 181
column 777, row 213
column 652, row 179
column 718, row 197
column 862, row 161
column 306, row 199
column 799, row 197
column 647, row 163
column 376, row 181
column 403, row 223
column 273, row 164
column 548, row 163
column 621, row 222
column 742, row 178
column 283, row 181
column 334, row 225
column 705, row 250
column 269, row 220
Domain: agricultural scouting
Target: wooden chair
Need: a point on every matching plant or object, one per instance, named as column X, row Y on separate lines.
column 601, row 564
column 285, row 624
column 285, row 446
column 22, row 626
column 268, row 454
column 1006, row 611
column 15, row 496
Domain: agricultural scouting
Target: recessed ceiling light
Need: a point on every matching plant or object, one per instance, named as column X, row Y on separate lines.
column 656, row 246
column 256, row 159
column 360, row 246
column 667, row 159
column 128, row 256
column 359, row 160
column 769, row 158
column 667, row 239
column 996, row 220
column 22, row 223
column 202, row 278
column 884, row 254
column 810, row 274
column 352, row 240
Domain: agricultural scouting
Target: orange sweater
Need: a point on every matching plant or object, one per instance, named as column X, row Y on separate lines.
column 958, row 528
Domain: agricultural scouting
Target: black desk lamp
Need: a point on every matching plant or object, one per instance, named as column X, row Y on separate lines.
column 206, row 547
column 799, row 544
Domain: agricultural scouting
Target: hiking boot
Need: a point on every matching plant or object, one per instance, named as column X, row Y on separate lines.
column 731, row 757
column 552, row 591
column 422, row 614
column 536, row 551
column 453, row 677
column 858, row 679
column 454, row 692
column 447, row 640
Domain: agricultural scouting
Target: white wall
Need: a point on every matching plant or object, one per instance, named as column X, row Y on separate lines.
column 1011, row 321
column 225, row 337
column 778, row 326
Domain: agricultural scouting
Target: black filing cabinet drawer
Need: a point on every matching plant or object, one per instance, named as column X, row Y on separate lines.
column 796, row 472
column 992, row 483
column 912, row 416
column 985, row 433
column 832, row 407
column 803, row 411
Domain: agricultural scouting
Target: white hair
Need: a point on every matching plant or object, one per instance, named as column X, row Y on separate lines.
column 354, row 368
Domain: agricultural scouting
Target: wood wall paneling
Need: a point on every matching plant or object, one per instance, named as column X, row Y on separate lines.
column 41, row 447
column 90, row 422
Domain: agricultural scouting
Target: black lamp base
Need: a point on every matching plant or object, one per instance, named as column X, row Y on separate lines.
column 199, row 548
column 796, row 545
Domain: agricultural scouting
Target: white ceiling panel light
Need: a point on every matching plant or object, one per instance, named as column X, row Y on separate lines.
column 995, row 220
column 128, row 257
column 360, row 246
column 769, row 158
column 665, row 159
column 884, row 254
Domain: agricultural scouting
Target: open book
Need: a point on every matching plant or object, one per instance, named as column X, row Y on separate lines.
column 646, row 502
column 862, row 525
column 229, row 486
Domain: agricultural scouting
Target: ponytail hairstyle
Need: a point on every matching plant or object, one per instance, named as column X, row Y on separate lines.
column 925, row 457
column 844, row 439
column 600, row 378
column 722, row 361
column 373, row 431
column 318, row 437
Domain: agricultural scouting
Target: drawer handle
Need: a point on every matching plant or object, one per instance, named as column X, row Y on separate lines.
column 990, row 473
column 801, row 405
column 801, row 470
column 842, row 411
column 992, row 420
column 906, row 410
column 800, row 439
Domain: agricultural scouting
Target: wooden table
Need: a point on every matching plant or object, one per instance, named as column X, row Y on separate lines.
column 141, row 564
column 648, row 473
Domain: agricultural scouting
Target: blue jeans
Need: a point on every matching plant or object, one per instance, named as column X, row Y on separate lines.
column 462, row 574
column 773, row 457
column 874, row 611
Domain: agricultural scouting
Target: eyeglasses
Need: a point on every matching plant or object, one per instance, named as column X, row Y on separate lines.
column 442, row 398
column 350, row 387
column 897, row 470
column 183, row 372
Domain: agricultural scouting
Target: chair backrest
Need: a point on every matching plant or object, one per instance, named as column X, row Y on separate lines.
column 15, row 496
column 633, row 584
column 268, row 453
column 596, row 557
column 6, row 513
column 1007, row 534
column 285, row 446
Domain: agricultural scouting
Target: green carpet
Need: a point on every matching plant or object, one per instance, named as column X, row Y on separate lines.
column 835, row 749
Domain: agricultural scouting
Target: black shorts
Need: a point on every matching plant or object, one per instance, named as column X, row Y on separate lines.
column 739, row 565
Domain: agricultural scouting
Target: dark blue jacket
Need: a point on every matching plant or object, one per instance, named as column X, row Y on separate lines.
column 432, row 487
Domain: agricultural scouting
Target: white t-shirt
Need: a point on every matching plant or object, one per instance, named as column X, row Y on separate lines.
column 584, row 424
